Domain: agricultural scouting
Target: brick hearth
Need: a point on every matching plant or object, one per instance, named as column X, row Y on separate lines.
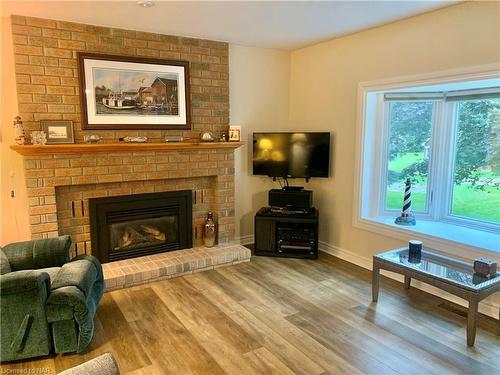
column 129, row 272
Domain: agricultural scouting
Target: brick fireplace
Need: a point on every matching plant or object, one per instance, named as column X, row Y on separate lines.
column 59, row 185
column 61, row 179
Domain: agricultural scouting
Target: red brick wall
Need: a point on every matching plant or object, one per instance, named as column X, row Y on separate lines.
column 55, row 181
column 47, row 74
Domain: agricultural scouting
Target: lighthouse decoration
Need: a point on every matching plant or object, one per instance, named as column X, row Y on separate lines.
column 406, row 217
column 20, row 135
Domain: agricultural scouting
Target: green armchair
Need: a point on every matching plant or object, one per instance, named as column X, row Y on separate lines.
column 47, row 300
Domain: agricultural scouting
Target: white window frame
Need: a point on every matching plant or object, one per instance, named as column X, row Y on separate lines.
column 439, row 230
column 381, row 184
column 441, row 165
column 446, row 214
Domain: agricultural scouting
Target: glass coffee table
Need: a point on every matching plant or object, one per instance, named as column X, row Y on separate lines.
column 444, row 272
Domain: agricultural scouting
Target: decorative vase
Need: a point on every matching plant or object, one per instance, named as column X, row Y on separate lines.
column 209, row 231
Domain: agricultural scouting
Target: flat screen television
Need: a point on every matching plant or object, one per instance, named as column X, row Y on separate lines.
column 289, row 155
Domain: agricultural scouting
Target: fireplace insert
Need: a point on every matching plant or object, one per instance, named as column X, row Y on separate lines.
column 136, row 225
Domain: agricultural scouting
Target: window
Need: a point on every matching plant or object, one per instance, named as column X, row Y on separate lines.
column 460, row 181
column 410, row 127
column 445, row 138
column 476, row 170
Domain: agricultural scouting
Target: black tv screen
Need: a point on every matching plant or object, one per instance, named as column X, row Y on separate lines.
column 301, row 155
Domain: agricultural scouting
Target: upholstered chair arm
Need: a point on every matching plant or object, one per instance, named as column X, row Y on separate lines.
column 23, row 281
column 50, row 252
column 76, row 291
column 23, row 323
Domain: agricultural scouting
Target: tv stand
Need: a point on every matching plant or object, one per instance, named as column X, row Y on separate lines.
column 287, row 233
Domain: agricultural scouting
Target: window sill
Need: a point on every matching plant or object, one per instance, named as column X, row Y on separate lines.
column 449, row 238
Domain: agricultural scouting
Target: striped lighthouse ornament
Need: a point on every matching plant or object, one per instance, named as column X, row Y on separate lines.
column 406, row 217
column 407, row 199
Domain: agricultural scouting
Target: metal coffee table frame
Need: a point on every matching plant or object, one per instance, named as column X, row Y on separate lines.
column 473, row 294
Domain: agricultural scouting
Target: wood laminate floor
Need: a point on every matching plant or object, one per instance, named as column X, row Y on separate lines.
column 283, row 316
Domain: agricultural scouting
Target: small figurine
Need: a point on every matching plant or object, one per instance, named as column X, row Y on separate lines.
column 207, row 137
column 91, row 138
column 406, row 217
column 38, row 137
column 140, row 139
column 486, row 268
column 21, row 136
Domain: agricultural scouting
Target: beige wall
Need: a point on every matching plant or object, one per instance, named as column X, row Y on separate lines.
column 14, row 211
column 323, row 89
column 258, row 89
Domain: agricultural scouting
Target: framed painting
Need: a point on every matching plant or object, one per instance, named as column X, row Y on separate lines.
column 58, row 131
column 133, row 92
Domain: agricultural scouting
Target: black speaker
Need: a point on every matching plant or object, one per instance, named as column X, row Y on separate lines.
column 292, row 199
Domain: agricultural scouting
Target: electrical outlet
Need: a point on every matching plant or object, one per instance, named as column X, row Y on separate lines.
column 12, row 193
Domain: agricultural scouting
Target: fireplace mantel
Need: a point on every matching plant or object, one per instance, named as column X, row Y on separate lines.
column 30, row 150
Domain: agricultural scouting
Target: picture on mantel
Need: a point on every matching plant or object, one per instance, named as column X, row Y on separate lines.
column 133, row 93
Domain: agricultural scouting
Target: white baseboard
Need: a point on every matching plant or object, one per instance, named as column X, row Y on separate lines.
column 486, row 308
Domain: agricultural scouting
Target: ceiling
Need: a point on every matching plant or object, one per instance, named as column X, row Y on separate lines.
column 279, row 24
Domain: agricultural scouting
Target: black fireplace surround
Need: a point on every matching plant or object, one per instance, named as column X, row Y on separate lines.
column 129, row 226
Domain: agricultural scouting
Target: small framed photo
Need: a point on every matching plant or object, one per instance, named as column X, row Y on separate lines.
column 235, row 133
column 58, row 131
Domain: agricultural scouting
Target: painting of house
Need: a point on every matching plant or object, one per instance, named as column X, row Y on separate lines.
column 135, row 92
column 164, row 93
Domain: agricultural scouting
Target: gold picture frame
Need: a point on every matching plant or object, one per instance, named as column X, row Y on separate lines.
column 234, row 133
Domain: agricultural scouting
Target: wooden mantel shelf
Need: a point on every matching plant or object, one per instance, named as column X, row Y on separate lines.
column 30, row 150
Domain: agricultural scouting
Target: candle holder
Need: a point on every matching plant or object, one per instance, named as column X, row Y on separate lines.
column 415, row 251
